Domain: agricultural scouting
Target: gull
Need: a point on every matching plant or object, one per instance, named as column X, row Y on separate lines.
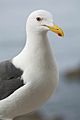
column 30, row 78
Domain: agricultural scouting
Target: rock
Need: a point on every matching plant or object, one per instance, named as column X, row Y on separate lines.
column 73, row 73
column 58, row 118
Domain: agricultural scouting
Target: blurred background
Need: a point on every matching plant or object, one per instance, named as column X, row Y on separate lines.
column 65, row 104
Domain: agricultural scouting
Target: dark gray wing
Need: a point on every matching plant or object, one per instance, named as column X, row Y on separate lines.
column 10, row 79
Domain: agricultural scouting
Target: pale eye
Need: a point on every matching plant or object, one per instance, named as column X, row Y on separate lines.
column 38, row 19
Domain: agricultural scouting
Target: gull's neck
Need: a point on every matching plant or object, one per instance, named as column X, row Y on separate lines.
column 36, row 44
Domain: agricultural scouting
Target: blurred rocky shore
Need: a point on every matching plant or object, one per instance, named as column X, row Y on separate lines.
column 73, row 73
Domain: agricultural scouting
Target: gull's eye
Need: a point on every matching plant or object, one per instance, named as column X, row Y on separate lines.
column 38, row 19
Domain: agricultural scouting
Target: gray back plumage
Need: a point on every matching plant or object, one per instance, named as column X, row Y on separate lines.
column 10, row 79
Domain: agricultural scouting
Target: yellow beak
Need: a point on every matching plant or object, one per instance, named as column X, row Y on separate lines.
column 57, row 30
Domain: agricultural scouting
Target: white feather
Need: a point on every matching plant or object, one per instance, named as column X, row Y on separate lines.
column 40, row 74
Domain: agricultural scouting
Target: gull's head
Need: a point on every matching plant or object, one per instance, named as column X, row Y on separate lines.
column 42, row 21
